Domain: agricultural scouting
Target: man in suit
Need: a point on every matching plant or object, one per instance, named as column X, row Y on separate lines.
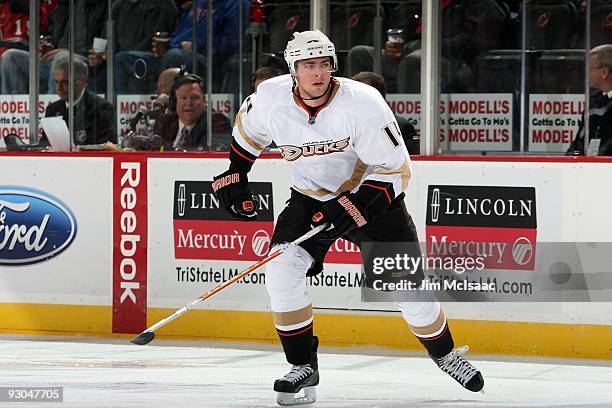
column 185, row 128
column 93, row 116
column 600, row 106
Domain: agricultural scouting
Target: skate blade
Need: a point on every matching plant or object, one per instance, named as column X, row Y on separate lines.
column 305, row 396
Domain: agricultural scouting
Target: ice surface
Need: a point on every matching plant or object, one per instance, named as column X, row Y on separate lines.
column 115, row 373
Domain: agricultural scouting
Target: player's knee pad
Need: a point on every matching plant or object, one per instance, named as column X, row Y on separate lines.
column 421, row 312
column 286, row 280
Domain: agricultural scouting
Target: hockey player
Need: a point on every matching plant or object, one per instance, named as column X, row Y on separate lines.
column 350, row 168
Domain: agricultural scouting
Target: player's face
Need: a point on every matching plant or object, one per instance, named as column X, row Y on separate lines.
column 190, row 103
column 313, row 75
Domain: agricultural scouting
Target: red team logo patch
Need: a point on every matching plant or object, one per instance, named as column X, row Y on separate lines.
column 543, row 19
column 292, row 22
column 354, row 20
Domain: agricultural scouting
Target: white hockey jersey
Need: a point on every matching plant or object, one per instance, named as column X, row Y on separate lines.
column 354, row 136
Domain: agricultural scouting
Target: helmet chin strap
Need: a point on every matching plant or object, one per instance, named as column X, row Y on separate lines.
column 310, row 99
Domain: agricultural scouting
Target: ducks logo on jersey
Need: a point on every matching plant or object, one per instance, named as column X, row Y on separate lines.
column 292, row 153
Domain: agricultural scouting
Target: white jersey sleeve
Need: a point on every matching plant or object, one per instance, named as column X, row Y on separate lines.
column 379, row 144
column 250, row 131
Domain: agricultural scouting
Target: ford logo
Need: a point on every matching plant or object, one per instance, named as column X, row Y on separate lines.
column 34, row 226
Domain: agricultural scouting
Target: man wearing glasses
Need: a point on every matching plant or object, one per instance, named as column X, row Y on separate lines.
column 600, row 106
column 93, row 115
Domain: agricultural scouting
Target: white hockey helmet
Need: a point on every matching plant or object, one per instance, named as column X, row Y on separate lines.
column 309, row 44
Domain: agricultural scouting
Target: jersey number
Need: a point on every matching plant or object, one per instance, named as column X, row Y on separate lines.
column 18, row 27
column 391, row 130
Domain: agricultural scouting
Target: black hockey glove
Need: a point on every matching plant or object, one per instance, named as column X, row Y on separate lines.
column 344, row 213
column 353, row 210
column 234, row 196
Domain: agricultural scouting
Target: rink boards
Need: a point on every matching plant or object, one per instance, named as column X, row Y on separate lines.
column 111, row 243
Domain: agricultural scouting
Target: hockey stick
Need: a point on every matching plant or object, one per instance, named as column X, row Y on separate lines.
column 149, row 334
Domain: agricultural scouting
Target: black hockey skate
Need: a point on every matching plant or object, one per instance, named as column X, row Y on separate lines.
column 300, row 378
column 462, row 371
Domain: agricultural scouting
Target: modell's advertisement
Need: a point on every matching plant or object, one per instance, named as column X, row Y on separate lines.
column 554, row 121
column 467, row 121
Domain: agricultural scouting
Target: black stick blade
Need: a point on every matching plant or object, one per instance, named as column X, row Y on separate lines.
column 143, row 338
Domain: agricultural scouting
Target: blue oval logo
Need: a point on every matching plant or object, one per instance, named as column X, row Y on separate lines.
column 34, row 226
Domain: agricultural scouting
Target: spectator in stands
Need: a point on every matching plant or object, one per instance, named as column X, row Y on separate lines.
column 90, row 19
column 136, row 22
column 468, row 28
column 263, row 73
column 186, row 127
column 409, row 134
column 14, row 16
column 183, row 4
column 361, row 57
column 164, row 87
column 14, row 67
column 166, row 81
column 93, row 116
column 600, row 109
column 14, row 19
column 176, row 50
